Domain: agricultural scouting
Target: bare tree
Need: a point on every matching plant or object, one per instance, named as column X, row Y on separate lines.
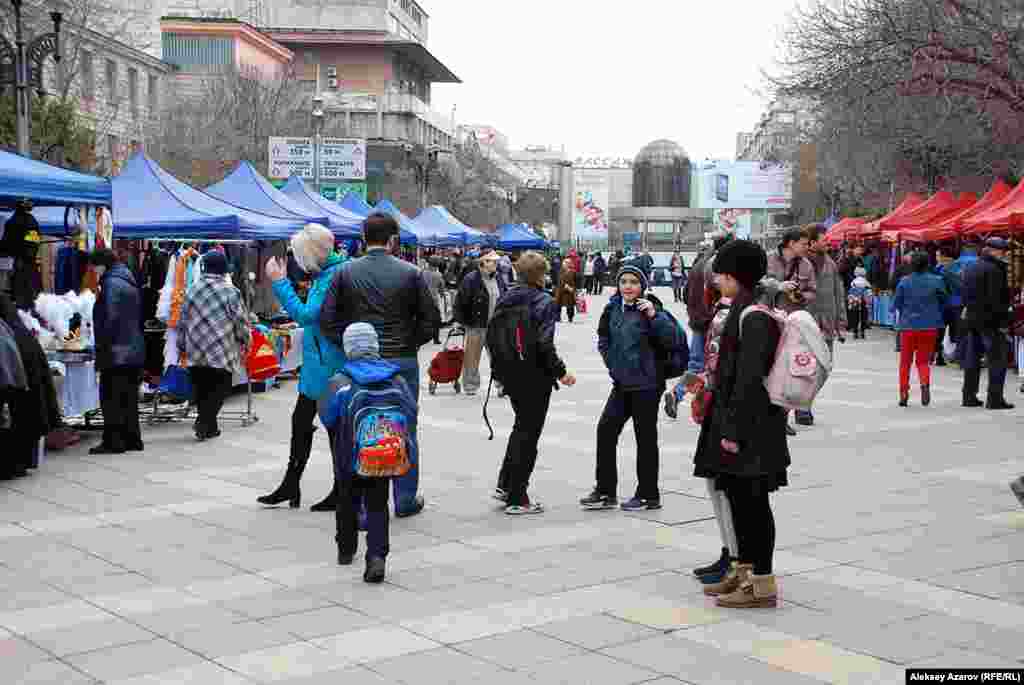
column 908, row 94
column 473, row 188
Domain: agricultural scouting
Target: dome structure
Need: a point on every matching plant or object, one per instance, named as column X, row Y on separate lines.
column 661, row 176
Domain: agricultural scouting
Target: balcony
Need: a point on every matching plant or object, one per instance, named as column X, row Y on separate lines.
column 389, row 103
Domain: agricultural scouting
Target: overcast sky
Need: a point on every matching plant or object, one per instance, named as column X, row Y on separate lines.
column 607, row 77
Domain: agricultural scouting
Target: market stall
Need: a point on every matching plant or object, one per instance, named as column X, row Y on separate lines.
column 355, row 203
column 343, row 223
column 517, row 237
column 935, row 209
column 873, row 229
column 953, row 226
column 410, row 230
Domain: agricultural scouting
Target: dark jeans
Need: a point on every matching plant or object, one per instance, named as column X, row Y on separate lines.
column 858, row 316
column 353, row 493
column 119, row 400
column 531, row 408
column 995, row 347
column 755, row 528
column 642, row 407
column 406, row 488
column 210, row 388
column 677, row 288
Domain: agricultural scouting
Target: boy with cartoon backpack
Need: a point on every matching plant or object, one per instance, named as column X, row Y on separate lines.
column 372, row 411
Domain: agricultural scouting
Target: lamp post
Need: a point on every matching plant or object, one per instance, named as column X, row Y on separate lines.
column 318, row 125
column 28, row 65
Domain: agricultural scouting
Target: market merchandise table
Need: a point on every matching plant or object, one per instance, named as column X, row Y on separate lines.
column 882, row 313
column 78, row 392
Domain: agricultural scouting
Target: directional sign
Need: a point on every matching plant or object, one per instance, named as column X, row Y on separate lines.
column 343, row 159
column 291, row 156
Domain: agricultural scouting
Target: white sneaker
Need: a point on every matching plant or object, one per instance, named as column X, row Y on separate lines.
column 531, row 508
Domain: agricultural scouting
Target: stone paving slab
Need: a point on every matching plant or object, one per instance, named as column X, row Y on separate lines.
column 898, row 544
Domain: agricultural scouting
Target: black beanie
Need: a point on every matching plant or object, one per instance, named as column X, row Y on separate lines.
column 215, row 263
column 743, row 260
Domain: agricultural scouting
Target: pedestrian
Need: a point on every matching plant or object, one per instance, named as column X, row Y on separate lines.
column 528, row 377
column 435, row 284
column 945, row 259
column 588, row 274
column 213, row 334
column 920, row 298
column 986, row 298
column 858, row 303
column 556, row 267
column 120, row 353
column 675, row 268
column 829, row 303
column 565, row 295
column 798, row 286
column 633, row 335
column 600, row 269
column 742, row 442
column 26, row 388
column 392, row 296
column 369, row 406
column 321, row 359
column 474, row 306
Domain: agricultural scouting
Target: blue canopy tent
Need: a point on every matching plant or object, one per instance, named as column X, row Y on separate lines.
column 48, row 186
column 349, row 225
column 440, row 229
column 355, row 203
column 152, row 203
column 51, row 220
column 245, row 187
column 518, row 237
column 411, row 233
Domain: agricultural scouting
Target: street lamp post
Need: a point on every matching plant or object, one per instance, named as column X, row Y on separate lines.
column 28, row 70
column 318, row 123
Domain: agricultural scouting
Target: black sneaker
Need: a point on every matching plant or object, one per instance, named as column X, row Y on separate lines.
column 596, row 501
column 375, row 570
column 719, row 565
column 640, row 504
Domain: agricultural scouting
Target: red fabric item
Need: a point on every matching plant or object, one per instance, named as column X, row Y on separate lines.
column 916, row 347
column 261, row 363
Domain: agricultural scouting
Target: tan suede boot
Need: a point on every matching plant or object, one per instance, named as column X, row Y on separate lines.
column 732, row 581
column 758, row 592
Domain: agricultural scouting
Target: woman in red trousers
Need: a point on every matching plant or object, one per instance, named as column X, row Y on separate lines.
column 920, row 299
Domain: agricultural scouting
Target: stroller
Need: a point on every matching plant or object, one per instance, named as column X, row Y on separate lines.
column 446, row 366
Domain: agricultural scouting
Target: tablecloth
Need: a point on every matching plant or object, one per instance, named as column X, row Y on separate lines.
column 882, row 313
column 80, row 391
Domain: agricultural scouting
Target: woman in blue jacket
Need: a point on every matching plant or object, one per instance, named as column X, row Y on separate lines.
column 920, row 299
column 634, row 333
column 313, row 248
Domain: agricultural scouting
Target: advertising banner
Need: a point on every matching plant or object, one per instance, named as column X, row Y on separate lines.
column 590, row 219
column 290, row 157
column 722, row 184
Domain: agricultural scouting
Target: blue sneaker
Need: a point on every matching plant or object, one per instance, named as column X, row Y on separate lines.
column 416, row 508
column 716, row 576
column 639, row 504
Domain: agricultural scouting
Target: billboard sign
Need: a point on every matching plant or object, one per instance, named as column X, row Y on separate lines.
column 290, row 157
column 722, row 184
column 590, row 218
column 342, row 159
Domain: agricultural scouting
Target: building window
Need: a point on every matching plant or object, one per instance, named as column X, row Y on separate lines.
column 88, row 75
column 133, row 91
column 154, row 96
column 111, row 81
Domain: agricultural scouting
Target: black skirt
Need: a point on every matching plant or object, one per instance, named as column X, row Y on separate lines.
column 751, row 485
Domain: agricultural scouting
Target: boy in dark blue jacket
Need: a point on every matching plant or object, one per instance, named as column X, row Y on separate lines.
column 363, row 373
column 634, row 334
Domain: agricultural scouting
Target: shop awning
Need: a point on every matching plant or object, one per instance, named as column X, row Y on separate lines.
column 355, row 203
column 935, row 209
column 953, row 226
column 410, row 230
column 48, row 186
column 1004, row 215
column 518, row 237
column 873, row 228
column 245, row 187
column 844, row 229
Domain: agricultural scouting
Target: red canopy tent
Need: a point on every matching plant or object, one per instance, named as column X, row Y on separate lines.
column 952, row 226
column 938, row 207
column 873, row 229
column 845, row 228
column 1002, row 216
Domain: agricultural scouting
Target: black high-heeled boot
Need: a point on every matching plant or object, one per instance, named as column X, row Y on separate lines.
column 329, row 503
column 289, row 490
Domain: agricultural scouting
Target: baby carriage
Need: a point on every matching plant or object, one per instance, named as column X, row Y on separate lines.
column 446, row 366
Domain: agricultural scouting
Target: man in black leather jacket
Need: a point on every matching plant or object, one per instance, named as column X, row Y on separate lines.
column 392, row 296
column 987, row 300
column 120, row 353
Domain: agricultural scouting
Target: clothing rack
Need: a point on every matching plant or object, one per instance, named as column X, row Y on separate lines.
column 154, row 412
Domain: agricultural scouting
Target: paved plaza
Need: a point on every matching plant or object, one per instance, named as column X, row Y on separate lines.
column 900, row 544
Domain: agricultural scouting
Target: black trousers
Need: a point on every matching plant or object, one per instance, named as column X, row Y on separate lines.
column 640, row 406
column 119, row 400
column 570, row 311
column 352, row 492
column 755, row 528
column 531, row 405
column 303, row 429
column 210, row 388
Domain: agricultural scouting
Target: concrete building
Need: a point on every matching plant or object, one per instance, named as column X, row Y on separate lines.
column 658, row 216
column 777, row 134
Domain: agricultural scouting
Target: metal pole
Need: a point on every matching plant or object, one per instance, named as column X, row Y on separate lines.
column 21, row 85
column 316, row 158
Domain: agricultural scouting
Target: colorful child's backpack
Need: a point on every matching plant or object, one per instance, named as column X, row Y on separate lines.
column 382, row 421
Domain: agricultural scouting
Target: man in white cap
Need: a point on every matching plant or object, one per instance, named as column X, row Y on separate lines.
column 474, row 307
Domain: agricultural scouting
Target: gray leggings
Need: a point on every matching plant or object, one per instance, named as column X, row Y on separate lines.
column 723, row 513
